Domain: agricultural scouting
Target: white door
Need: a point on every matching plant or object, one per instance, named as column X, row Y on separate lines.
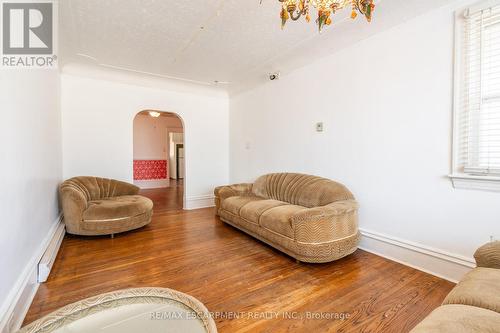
column 180, row 158
column 174, row 139
column 172, row 160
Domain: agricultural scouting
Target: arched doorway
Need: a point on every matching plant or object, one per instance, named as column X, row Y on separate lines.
column 159, row 167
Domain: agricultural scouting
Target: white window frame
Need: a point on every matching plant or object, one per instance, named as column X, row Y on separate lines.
column 460, row 178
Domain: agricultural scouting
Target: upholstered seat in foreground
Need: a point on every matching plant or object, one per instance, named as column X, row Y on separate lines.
column 459, row 319
column 310, row 218
column 480, row 287
column 99, row 206
column 473, row 306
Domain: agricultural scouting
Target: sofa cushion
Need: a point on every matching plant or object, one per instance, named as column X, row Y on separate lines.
column 480, row 287
column 117, row 208
column 253, row 210
column 277, row 219
column 459, row 319
column 234, row 204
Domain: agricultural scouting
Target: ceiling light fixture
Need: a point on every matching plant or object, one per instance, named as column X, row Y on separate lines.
column 154, row 114
column 294, row 9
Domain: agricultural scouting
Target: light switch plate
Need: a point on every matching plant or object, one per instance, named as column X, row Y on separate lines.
column 319, row 127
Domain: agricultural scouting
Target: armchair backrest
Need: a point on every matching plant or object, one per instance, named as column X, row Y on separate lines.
column 299, row 189
column 95, row 188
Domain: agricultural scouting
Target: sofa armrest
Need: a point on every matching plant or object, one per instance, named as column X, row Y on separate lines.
column 326, row 223
column 488, row 255
column 74, row 203
column 223, row 192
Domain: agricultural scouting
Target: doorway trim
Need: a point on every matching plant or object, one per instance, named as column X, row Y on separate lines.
column 185, row 204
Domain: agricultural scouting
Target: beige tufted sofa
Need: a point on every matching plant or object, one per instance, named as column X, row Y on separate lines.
column 310, row 218
column 98, row 206
column 473, row 306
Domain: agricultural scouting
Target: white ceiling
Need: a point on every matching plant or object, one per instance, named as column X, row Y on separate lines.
column 235, row 41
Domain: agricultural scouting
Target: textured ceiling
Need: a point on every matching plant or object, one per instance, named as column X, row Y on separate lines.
column 235, row 42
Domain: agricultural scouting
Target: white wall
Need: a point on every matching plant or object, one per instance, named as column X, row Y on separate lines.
column 29, row 173
column 97, row 122
column 386, row 104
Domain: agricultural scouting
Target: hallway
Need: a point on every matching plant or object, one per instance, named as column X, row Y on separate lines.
column 167, row 199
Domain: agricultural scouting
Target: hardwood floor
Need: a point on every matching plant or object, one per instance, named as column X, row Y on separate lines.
column 167, row 199
column 241, row 280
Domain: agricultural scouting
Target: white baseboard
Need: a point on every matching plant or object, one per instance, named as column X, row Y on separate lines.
column 16, row 305
column 200, row 201
column 149, row 184
column 440, row 263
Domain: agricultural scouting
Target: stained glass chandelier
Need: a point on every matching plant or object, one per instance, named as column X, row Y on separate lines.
column 295, row 9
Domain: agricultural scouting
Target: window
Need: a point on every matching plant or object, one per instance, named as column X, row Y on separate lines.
column 477, row 101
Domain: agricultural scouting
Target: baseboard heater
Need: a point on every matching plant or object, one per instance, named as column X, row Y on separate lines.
column 49, row 257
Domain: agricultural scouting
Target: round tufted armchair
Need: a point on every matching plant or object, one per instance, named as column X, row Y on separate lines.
column 100, row 206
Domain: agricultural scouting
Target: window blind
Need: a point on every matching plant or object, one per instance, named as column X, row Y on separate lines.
column 479, row 114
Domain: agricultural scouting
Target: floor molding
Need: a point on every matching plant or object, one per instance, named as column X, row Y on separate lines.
column 434, row 261
column 200, row 201
column 17, row 303
column 150, row 184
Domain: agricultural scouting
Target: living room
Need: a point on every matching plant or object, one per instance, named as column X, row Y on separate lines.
column 369, row 128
